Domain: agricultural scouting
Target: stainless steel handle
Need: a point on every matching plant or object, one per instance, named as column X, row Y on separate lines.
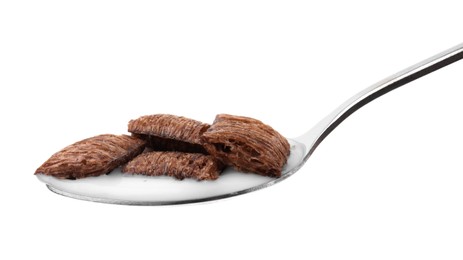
column 316, row 135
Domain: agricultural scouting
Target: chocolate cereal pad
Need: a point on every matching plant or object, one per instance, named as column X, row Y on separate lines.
column 164, row 132
column 247, row 144
column 92, row 156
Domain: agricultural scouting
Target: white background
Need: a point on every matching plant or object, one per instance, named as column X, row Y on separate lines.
column 386, row 184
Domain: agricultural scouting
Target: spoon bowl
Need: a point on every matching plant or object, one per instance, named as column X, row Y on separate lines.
column 118, row 188
column 128, row 189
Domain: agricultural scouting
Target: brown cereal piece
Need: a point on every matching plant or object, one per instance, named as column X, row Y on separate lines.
column 247, row 144
column 165, row 132
column 92, row 156
column 175, row 164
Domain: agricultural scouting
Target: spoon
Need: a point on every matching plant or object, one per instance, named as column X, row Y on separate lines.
column 119, row 188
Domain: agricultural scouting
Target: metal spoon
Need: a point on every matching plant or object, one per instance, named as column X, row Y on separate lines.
column 117, row 188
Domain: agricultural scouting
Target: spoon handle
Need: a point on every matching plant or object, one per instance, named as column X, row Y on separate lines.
column 316, row 135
